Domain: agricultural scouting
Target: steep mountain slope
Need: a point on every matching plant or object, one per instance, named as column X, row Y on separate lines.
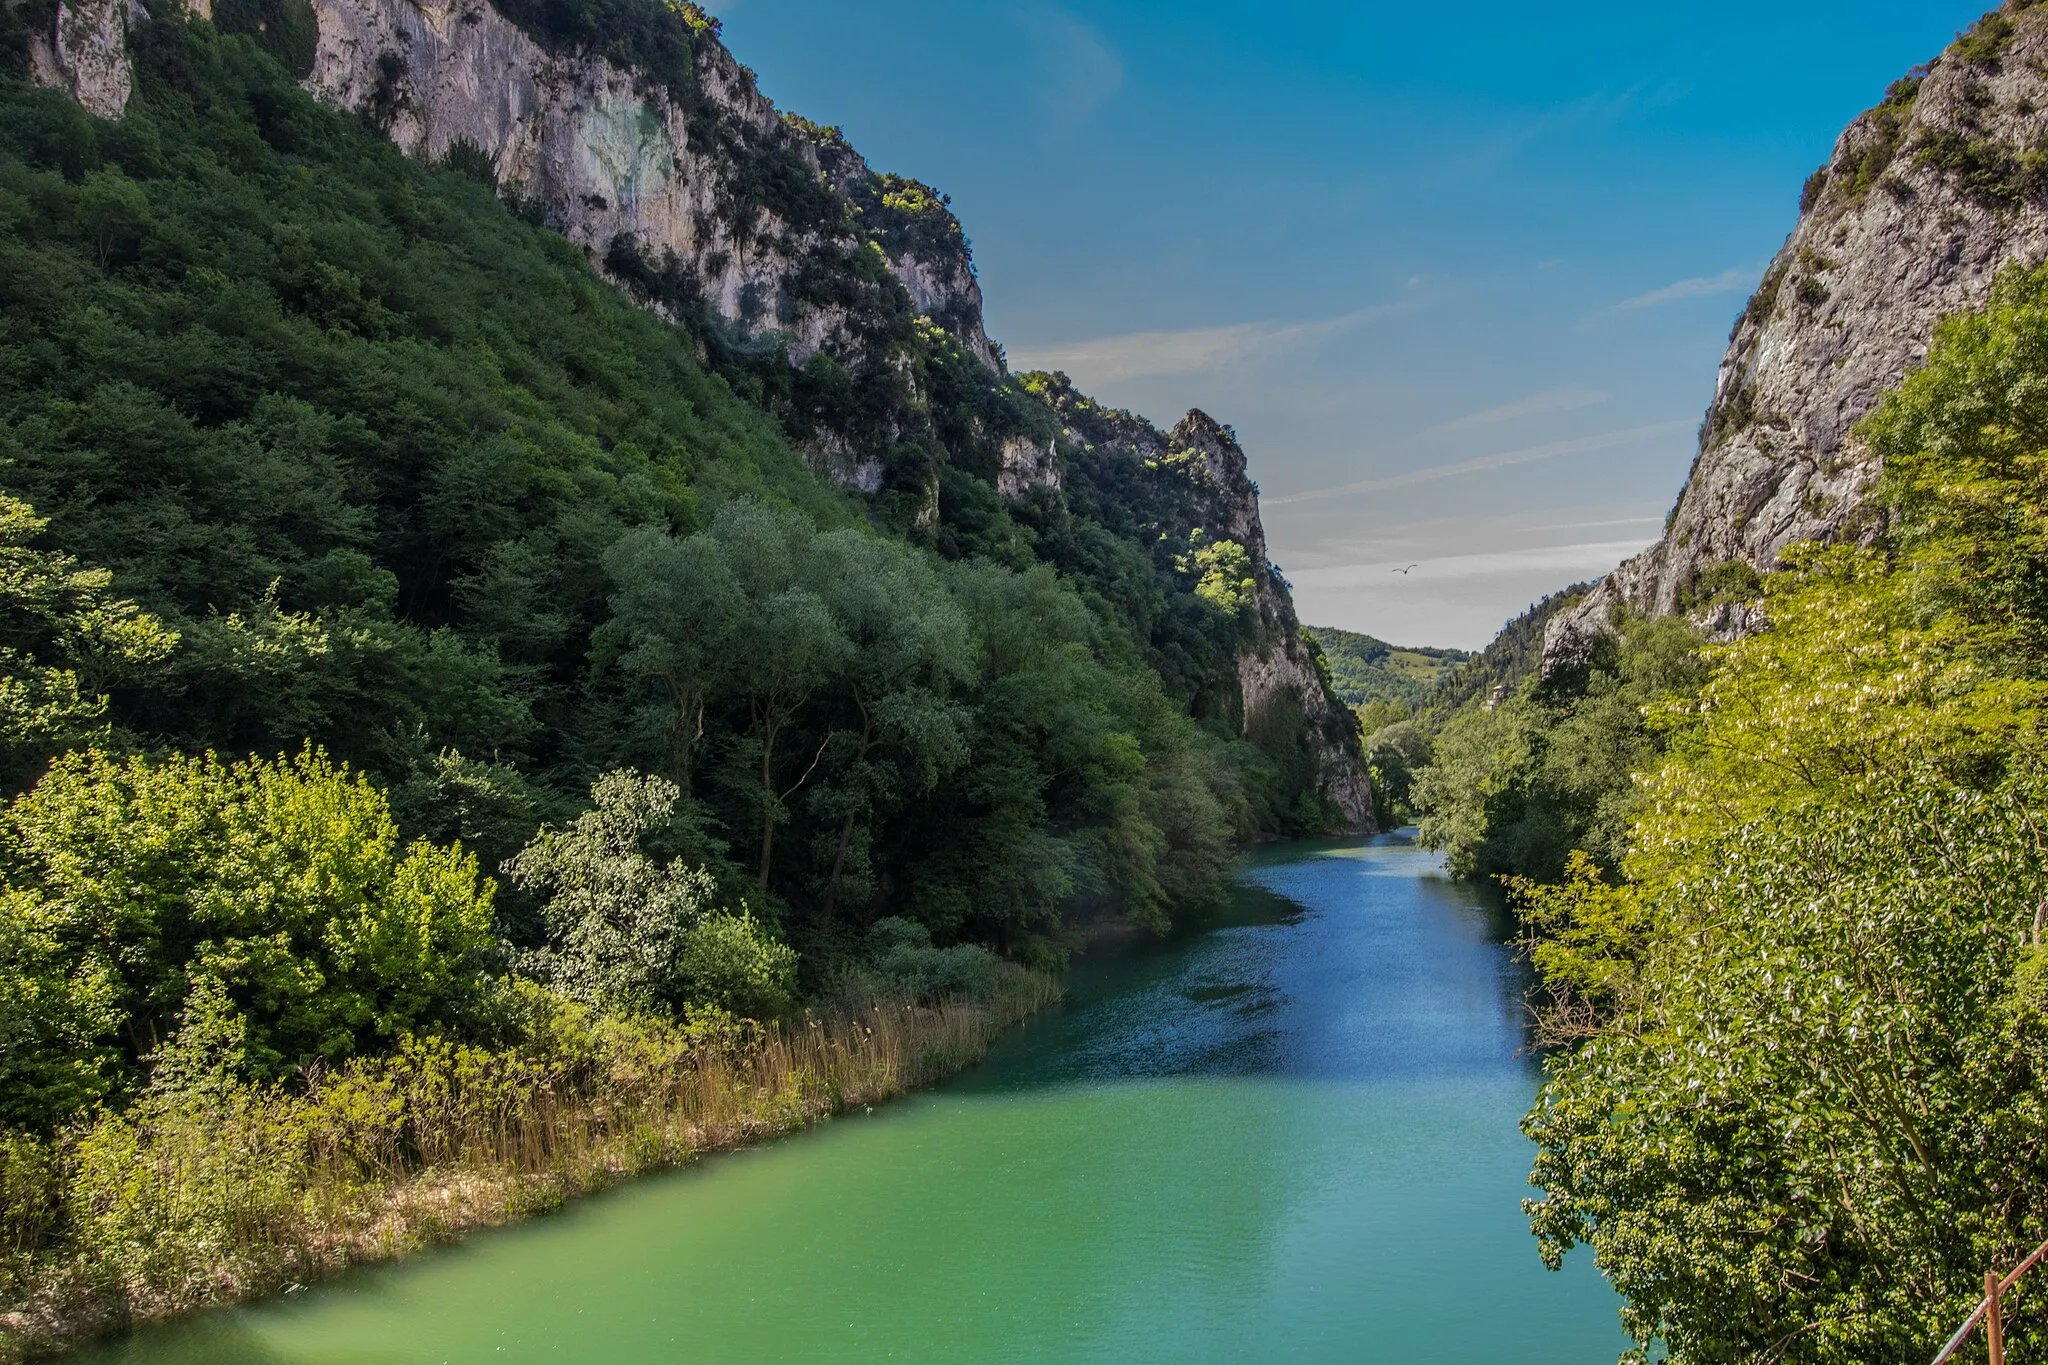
column 1924, row 200
column 1186, row 494
column 670, row 167
column 841, row 302
column 1364, row 668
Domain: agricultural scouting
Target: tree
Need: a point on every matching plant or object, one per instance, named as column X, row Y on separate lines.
column 626, row 932
column 64, row 640
column 908, row 655
column 128, row 880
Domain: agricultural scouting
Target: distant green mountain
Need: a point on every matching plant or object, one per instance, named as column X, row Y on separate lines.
column 1366, row 669
column 1515, row 655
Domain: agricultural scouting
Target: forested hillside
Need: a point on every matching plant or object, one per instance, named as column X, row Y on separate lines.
column 1365, row 669
column 437, row 648
column 1777, row 851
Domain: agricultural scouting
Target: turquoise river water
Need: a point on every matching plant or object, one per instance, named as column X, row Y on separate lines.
column 1289, row 1137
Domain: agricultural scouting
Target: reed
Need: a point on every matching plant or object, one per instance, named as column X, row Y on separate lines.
column 212, row 1196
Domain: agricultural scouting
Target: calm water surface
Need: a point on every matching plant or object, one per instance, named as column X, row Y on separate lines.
column 1291, row 1137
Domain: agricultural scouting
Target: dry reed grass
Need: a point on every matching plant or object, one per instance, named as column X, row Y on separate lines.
column 200, row 1199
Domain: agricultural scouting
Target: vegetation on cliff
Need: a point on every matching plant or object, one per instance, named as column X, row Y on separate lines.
column 1803, row 1046
column 442, row 708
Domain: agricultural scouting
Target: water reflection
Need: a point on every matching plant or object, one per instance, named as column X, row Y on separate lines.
column 1291, row 1136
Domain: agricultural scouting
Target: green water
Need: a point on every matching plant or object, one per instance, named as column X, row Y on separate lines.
column 1291, row 1137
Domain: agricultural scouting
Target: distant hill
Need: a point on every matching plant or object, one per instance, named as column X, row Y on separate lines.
column 1515, row 654
column 1366, row 669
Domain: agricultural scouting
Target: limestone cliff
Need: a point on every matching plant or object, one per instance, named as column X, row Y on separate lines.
column 85, row 51
column 699, row 175
column 1925, row 199
column 1193, row 485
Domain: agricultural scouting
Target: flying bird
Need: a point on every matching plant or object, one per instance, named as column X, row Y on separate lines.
column 1405, row 572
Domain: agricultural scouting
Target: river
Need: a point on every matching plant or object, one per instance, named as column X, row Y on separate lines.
column 1289, row 1137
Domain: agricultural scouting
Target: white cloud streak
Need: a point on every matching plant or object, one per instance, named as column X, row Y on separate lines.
column 1079, row 71
column 1732, row 281
column 1199, row 350
column 1585, row 558
column 1536, row 405
column 1550, row 450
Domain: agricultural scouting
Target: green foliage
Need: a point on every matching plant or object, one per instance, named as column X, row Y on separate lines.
column 1847, row 684
column 908, row 217
column 659, row 40
column 627, row 933
column 64, row 638
column 1963, row 441
column 1364, row 669
column 898, row 962
column 1863, row 166
column 1394, row 754
column 1514, row 788
column 1984, row 170
column 132, row 884
column 1224, row 573
column 1800, row 1118
column 1809, row 1125
column 1985, row 44
column 286, row 29
column 1512, row 658
column 357, row 435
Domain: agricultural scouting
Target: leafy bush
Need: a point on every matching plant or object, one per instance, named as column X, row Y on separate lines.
column 626, row 933
column 905, row 965
column 130, row 882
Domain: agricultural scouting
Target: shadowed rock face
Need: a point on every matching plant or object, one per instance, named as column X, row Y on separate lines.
column 1924, row 200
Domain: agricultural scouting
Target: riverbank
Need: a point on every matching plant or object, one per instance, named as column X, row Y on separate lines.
column 220, row 1193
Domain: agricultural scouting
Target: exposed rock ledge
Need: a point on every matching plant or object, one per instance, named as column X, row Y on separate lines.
column 1891, row 238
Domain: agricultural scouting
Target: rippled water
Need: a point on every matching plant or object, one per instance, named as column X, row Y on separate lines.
column 1289, row 1137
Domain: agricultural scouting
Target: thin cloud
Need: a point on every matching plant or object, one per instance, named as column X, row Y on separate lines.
column 1550, row 450
column 1536, row 405
column 1732, row 281
column 1585, row 557
column 1079, row 71
column 1199, row 350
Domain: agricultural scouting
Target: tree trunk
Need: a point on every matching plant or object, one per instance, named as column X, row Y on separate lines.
column 767, row 801
column 860, row 755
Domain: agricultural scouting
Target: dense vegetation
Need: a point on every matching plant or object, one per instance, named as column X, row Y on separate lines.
column 1803, row 1038
column 1364, row 669
column 1512, row 788
column 436, row 688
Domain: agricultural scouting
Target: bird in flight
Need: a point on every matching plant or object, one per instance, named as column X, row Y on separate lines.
column 1405, row 572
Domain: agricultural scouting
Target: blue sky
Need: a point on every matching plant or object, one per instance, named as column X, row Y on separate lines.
column 1460, row 275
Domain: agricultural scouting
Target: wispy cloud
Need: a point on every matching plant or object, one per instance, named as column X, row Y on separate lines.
column 1135, row 355
column 1536, row 405
column 1732, row 281
column 1577, row 560
column 1549, row 450
column 1079, row 71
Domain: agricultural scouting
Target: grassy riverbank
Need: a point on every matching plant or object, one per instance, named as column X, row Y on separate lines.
column 223, row 1192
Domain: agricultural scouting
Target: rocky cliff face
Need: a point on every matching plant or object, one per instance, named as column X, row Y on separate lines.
column 1193, row 483
column 842, row 299
column 705, row 181
column 1924, row 200
column 85, row 51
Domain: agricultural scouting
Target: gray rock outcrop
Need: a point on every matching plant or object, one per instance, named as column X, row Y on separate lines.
column 1926, row 198
column 85, row 53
